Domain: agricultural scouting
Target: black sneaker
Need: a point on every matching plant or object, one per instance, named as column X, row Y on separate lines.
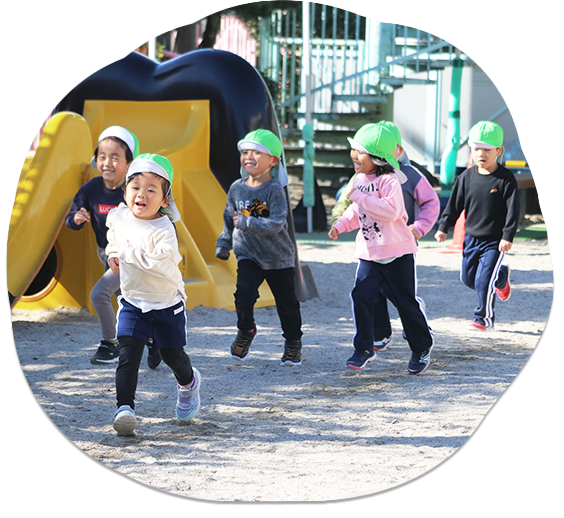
column 107, row 353
column 153, row 357
column 419, row 362
column 240, row 346
column 292, row 353
column 359, row 359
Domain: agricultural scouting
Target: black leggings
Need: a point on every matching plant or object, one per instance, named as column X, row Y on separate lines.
column 127, row 372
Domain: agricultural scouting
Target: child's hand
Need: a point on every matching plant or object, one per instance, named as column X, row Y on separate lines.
column 223, row 256
column 81, row 216
column 505, row 246
column 440, row 236
column 333, row 233
column 113, row 262
column 235, row 219
column 414, row 232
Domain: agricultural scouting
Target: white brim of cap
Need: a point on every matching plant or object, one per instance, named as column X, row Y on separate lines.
column 251, row 144
column 146, row 166
column 483, row 145
column 359, row 147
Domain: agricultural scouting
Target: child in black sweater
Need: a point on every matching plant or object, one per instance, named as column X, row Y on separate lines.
column 489, row 195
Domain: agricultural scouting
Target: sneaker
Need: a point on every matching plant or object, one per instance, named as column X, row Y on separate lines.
column 153, row 357
column 292, row 353
column 107, row 353
column 188, row 403
column 240, row 346
column 505, row 292
column 419, row 362
column 359, row 359
column 125, row 421
column 382, row 345
column 476, row 326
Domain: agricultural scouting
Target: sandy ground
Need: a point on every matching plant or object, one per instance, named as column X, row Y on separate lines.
column 311, row 433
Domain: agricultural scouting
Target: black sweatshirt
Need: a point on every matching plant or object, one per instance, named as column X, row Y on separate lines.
column 98, row 200
column 490, row 201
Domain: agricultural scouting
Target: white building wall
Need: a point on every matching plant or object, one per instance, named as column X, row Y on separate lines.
column 415, row 112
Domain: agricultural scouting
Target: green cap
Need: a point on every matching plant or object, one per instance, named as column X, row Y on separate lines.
column 485, row 134
column 261, row 140
column 161, row 166
column 377, row 140
column 394, row 129
column 266, row 142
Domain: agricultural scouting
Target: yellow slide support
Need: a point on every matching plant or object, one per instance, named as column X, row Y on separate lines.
column 180, row 131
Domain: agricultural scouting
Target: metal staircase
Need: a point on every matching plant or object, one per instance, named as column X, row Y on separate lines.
column 356, row 65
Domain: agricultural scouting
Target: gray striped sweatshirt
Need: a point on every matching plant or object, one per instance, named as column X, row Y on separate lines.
column 262, row 231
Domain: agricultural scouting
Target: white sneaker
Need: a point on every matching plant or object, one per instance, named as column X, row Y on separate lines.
column 125, row 421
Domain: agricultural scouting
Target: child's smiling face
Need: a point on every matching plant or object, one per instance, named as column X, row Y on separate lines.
column 255, row 163
column 111, row 163
column 144, row 195
column 362, row 162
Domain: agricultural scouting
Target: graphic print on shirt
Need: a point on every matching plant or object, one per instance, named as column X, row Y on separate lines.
column 368, row 225
column 257, row 209
column 105, row 209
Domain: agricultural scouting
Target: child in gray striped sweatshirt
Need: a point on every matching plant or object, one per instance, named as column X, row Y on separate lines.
column 255, row 227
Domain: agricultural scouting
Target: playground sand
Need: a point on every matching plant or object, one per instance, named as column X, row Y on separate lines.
column 316, row 432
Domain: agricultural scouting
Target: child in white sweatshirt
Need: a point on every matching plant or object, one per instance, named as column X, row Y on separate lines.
column 143, row 249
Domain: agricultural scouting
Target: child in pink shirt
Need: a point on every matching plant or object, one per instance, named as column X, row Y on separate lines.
column 385, row 247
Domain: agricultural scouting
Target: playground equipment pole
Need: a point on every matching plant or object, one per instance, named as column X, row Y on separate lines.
column 450, row 154
column 308, row 173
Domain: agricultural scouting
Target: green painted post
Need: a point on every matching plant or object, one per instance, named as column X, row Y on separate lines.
column 448, row 159
column 308, row 176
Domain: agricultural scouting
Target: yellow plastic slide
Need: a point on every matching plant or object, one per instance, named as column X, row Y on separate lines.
column 50, row 265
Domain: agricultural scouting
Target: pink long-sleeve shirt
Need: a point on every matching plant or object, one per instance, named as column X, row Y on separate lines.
column 378, row 210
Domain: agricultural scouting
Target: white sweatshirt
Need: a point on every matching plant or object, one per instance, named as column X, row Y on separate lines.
column 149, row 257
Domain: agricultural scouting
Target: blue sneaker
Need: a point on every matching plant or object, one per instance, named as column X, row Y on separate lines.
column 359, row 359
column 419, row 362
column 188, row 403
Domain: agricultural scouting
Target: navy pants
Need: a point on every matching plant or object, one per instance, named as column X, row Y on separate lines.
column 397, row 280
column 483, row 272
column 281, row 282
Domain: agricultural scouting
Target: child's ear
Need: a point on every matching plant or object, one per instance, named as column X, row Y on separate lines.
column 276, row 160
column 165, row 201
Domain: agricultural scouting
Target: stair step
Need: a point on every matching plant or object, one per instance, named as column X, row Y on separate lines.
column 340, row 155
column 337, row 117
column 322, row 171
column 360, row 98
column 401, row 81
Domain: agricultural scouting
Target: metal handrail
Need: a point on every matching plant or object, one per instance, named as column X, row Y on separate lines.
column 426, row 50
